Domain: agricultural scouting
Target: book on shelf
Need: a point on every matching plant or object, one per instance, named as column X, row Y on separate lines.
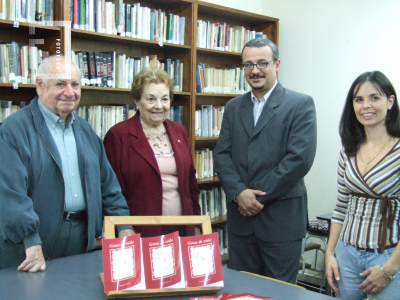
column 19, row 64
column 102, row 118
column 176, row 113
column 229, row 80
column 31, row 11
column 7, row 108
column 204, row 163
column 208, row 120
column 222, row 232
column 224, row 37
column 120, row 69
column 127, row 19
column 213, row 202
column 166, row 261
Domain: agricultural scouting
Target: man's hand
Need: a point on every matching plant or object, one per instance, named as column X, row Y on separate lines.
column 34, row 260
column 126, row 232
column 248, row 204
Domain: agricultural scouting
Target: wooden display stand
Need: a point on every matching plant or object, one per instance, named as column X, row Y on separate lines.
column 109, row 227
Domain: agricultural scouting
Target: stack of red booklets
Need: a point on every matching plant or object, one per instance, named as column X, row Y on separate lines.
column 166, row 261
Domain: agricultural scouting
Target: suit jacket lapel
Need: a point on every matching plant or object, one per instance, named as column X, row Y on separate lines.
column 139, row 142
column 246, row 113
column 268, row 112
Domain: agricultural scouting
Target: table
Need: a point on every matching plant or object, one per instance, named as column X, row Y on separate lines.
column 77, row 277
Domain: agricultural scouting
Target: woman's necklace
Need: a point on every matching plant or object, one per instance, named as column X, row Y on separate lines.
column 376, row 154
column 157, row 140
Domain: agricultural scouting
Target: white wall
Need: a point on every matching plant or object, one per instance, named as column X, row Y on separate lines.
column 324, row 45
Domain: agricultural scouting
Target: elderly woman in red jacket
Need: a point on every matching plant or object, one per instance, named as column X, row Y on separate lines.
column 151, row 156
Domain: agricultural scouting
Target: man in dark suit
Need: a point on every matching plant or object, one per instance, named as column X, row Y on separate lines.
column 266, row 146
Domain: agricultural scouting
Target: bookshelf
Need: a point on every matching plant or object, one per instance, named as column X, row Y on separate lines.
column 188, row 53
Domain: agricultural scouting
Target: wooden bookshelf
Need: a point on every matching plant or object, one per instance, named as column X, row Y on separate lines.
column 188, row 53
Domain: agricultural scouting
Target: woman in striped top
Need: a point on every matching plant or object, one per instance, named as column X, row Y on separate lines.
column 363, row 255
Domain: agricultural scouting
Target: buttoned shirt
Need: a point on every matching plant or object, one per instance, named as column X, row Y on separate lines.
column 64, row 138
column 260, row 103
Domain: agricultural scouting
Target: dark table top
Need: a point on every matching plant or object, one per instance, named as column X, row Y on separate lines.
column 77, row 277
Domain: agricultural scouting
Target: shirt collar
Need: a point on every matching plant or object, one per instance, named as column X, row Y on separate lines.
column 52, row 118
column 266, row 95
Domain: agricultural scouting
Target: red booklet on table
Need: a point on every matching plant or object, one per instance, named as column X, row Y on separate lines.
column 166, row 261
column 121, row 262
column 162, row 261
column 202, row 260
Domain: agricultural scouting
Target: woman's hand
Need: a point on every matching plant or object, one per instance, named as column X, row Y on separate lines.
column 332, row 272
column 375, row 281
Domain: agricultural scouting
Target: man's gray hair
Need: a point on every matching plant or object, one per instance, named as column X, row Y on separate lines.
column 48, row 63
column 258, row 43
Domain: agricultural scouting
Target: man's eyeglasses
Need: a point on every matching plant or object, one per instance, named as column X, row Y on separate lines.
column 260, row 65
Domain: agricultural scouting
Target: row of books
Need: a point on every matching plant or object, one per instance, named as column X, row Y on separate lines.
column 161, row 261
column 176, row 113
column 19, row 64
column 213, row 202
column 222, row 237
column 230, row 80
column 107, row 69
column 208, row 120
column 125, row 19
column 221, row 36
column 7, row 108
column 102, row 118
column 31, row 11
column 204, row 163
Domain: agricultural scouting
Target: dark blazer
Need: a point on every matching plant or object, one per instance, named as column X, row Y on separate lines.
column 133, row 161
column 273, row 157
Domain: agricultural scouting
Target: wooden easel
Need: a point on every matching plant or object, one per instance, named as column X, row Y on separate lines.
column 109, row 227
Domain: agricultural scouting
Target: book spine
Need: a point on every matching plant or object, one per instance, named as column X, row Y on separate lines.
column 39, row 11
column 82, row 14
column 152, row 25
column 99, row 68
column 128, row 17
column 92, row 68
column 170, row 22
column 85, row 60
column 120, row 15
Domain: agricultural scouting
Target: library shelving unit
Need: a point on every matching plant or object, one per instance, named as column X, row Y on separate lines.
column 188, row 53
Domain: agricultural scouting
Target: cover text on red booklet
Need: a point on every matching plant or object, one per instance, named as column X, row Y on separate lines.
column 201, row 260
column 121, row 262
column 161, row 260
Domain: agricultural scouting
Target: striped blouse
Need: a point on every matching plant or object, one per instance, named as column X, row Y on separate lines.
column 368, row 206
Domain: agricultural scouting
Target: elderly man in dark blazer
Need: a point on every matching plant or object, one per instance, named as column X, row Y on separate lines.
column 266, row 147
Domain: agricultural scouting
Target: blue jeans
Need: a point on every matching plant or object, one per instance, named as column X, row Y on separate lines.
column 353, row 262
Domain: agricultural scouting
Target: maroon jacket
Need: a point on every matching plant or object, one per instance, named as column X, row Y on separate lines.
column 133, row 161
